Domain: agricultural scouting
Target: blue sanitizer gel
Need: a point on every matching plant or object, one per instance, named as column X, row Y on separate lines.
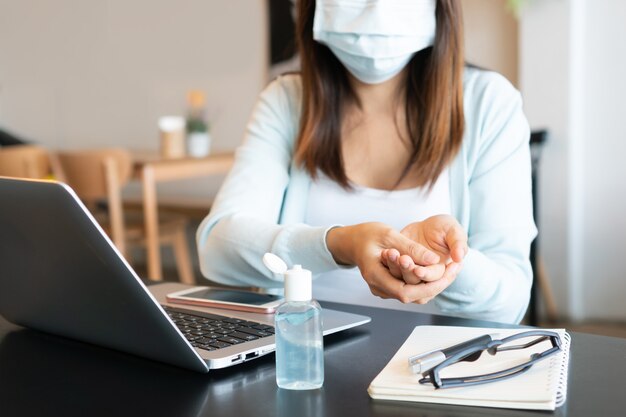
column 299, row 345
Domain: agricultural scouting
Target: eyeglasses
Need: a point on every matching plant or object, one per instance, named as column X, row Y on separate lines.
column 517, row 341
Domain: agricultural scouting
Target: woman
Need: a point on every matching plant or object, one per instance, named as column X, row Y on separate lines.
column 369, row 156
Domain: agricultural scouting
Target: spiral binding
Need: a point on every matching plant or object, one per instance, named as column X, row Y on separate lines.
column 563, row 359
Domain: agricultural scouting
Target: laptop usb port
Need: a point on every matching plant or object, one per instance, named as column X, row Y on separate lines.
column 236, row 359
column 251, row 355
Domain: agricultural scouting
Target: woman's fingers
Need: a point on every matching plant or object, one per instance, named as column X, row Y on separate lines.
column 376, row 249
column 430, row 272
column 407, row 268
column 390, row 260
column 456, row 239
column 382, row 284
column 442, row 234
column 419, row 253
column 385, row 285
column 430, row 290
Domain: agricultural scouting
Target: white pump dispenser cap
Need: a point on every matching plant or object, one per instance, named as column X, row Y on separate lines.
column 298, row 284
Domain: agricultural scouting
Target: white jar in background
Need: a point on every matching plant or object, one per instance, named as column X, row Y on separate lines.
column 198, row 144
column 172, row 130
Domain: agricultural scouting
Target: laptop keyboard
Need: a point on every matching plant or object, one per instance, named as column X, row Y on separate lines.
column 211, row 332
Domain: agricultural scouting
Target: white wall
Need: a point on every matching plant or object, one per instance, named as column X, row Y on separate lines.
column 544, row 79
column 604, row 286
column 571, row 75
column 99, row 73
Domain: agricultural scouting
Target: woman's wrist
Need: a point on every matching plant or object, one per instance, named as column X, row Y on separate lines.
column 337, row 241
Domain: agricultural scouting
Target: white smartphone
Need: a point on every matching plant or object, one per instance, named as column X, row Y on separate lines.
column 250, row 301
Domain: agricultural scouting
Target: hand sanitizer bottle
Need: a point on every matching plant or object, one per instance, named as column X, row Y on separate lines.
column 299, row 338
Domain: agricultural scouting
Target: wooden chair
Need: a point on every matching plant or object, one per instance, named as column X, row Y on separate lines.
column 24, row 161
column 99, row 175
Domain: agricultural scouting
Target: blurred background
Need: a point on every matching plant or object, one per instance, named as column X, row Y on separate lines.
column 78, row 74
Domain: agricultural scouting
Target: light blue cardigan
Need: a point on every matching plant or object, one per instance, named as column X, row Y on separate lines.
column 261, row 205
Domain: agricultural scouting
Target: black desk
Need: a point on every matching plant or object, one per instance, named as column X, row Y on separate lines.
column 46, row 375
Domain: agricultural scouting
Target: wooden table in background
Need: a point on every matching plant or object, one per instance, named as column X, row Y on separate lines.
column 151, row 169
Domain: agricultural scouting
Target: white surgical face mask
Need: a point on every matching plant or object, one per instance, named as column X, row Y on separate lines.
column 375, row 39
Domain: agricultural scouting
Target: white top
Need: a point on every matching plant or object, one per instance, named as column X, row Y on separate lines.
column 329, row 204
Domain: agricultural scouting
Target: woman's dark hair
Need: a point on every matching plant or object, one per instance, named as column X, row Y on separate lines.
column 433, row 104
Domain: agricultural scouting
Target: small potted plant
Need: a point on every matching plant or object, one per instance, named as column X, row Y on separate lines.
column 198, row 137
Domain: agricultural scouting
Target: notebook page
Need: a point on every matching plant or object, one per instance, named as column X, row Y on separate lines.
column 535, row 389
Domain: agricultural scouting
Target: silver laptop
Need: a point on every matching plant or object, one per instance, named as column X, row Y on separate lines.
column 60, row 273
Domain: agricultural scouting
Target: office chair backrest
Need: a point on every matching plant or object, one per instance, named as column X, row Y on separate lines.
column 24, row 161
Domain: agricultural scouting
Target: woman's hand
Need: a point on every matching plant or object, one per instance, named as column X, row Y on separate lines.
column 433, row 278
column 362, row 245
column 441, row 234
column 431, row 283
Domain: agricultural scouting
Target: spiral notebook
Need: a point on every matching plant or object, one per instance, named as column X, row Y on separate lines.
column 542, row 387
